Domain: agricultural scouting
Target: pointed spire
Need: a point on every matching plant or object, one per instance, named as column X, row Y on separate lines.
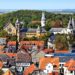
column 43, row 20
column 71, row 23
column 17, row 22
column 38, row 29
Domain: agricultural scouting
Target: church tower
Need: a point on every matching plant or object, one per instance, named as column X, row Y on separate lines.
column 38, row 31
column 43, row 20
column 17, row 25
column 71, row 24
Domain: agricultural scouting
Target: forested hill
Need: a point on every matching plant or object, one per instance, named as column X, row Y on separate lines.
column 31, row 18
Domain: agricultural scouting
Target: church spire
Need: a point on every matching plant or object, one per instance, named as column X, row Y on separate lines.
column 43, row 20
column 71, row 23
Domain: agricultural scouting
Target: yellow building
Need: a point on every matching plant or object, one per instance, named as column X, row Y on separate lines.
column 10, row 29
column 8, row 72
column 35, row 32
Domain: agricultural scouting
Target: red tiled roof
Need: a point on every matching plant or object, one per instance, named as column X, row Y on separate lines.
column 1, row 47
column 1, row 64
column 30, row 69
column 38, row 43
column 61, row 51
column 9, row 54
column 45, row 60
column 12, row 43
column 56, row 73
column 48, row 50
column 70, row 64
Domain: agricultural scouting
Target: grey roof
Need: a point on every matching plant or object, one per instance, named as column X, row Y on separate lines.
column 31, row 30
column 66, row 58
column 43, row 30
column 56, row 30
column 4, row 57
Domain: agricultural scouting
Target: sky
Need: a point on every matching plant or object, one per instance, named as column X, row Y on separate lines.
column 37, row 4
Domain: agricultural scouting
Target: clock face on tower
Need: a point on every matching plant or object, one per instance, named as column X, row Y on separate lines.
column 9, row 29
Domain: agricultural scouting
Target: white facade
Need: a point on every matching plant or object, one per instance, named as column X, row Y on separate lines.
column 67, row 72
column 49, row 68
column 50, row 45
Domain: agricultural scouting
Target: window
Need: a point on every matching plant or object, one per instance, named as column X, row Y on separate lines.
column 71, row 71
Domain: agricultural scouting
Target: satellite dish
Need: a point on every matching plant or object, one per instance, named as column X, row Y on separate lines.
column 49, row 68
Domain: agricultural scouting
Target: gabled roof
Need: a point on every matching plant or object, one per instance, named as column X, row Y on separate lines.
column 23, row 56
column 30, row 69
column 30, row 30
column 7, row 24
column 13, row 43
column 70, row 64
column 1, row 64
column 55, row 30
column 23, row 30
column 46, row 60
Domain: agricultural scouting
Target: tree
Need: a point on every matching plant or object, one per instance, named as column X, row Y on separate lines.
column 3, row 33
column 1, row 72
column 61, row 42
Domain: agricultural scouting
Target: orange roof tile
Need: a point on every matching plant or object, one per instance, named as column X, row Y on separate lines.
column 38, row 43
column 1, row 47
column 48, row 50
column 12, row 43
column 30, row 69
column 70, row 64
column 9, row 54
column 61, row 51
column 56, row 73
column 1, row 64
column 44, row 61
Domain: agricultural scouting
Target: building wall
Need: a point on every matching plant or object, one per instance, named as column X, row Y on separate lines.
column 10, row 29
column 67, row 72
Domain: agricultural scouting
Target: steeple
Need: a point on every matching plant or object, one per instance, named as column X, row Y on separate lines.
column 71, row 23
column 38, row 29
column 17, row 25
column 43, row 20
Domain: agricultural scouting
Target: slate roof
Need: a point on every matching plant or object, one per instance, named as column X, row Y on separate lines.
column 64, row 57
column 31, row 30
column 55, row 30
column 4, row 57
column 43, row 30
column 23, row 30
